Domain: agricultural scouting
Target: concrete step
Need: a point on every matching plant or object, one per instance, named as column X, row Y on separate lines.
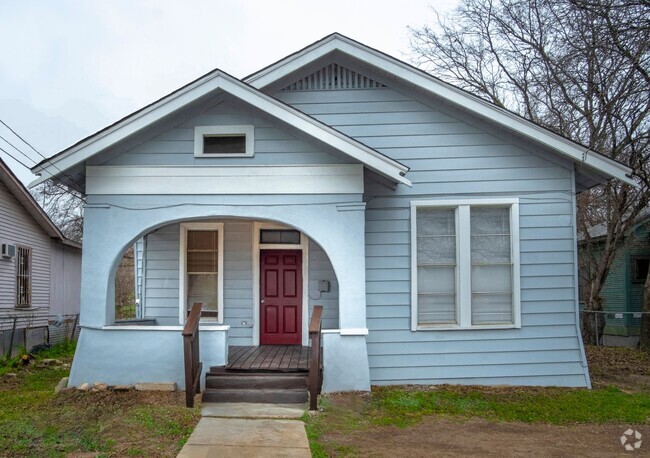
column 272, row 396
column 256, row 381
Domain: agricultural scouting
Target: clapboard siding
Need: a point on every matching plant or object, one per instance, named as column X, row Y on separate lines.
column 19, row 228
column 162, row 279
column 175, row 146
column 65, row 284
column 320, row 268
column 454, row 156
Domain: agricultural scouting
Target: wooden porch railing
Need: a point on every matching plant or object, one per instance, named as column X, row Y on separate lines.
column 192, row 357
column 315, row 370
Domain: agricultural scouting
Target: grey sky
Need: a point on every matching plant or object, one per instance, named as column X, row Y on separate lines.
column 69, row 68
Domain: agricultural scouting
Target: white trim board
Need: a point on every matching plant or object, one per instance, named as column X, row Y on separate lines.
column 257, row 246
column 219, row 80
column 456, row 96
column 267, row 179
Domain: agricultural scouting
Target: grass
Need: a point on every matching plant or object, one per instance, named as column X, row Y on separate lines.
column 36, row 422
column 404, row 406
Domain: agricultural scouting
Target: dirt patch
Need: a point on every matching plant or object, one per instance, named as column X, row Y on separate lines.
column 624, row 368
column 478, row 437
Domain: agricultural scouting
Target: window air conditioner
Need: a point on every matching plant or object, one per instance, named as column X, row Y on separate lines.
column 8, row 251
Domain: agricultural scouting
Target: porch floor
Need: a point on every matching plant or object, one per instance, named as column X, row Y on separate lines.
column 271, row 358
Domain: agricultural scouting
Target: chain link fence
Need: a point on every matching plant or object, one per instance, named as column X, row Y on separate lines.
column 27, row 330
column 611, row 328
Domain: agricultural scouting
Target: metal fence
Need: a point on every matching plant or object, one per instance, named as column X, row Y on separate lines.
column 26, row 330
column 593, row 326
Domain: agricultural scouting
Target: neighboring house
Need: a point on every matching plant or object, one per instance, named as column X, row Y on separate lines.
column 622, row 293
column 40, row 270
column 436, row 229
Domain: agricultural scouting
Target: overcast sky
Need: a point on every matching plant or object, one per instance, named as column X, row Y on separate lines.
column 69, row 68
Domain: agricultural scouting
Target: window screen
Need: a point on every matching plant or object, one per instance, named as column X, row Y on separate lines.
column 203, row 270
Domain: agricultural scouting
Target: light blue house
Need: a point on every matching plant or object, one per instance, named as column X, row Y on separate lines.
column 436, row 229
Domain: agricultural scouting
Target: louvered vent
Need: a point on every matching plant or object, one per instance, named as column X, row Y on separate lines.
column 333, row 76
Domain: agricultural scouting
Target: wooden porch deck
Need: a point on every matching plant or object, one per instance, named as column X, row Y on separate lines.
column 271, row 358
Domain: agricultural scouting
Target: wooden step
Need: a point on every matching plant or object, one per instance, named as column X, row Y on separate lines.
column 230, row 380
column 272, row 396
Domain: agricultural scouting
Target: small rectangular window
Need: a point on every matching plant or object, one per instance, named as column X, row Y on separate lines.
column 640, row 266
column 23, row 277
column 280, row 236
column 224, row 144
column 224, row 141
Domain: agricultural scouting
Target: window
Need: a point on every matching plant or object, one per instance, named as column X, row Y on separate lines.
column 224, row 141
column 201, row 260
column 465, row 264
column 280, row 236
column 640, row 266
column 23, row 277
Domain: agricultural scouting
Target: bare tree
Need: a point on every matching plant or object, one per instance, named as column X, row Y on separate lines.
column 577, row 67
column 64, row 206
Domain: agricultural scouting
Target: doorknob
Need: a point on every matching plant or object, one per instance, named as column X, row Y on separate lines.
column 262, row 301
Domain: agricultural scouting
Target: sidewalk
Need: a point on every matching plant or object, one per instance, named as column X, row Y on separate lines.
column 250, row 430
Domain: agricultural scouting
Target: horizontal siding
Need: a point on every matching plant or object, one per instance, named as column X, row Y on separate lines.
column 162, row 279
column 65, row 285
column 19, row 228
column 320, row 268
column 454, row 156
column 175, row 146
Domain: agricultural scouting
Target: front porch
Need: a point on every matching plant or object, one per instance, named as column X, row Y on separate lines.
column 226, row 272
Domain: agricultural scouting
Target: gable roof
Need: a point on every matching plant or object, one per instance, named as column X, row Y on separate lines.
column 590, row 162
column 22, row 195
column 207, row 84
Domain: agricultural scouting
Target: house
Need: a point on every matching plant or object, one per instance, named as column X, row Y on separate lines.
column 622, row 292
column 40, row 269
column 436, row 230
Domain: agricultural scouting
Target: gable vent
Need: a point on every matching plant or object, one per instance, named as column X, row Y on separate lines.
column 333, row 76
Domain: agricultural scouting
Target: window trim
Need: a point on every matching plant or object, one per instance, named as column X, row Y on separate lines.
column 28, row 275
column 248, row 131
column 463, row 269
column 182, row 266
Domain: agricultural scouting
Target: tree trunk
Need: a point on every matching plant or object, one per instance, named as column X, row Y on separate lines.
column 644, row 336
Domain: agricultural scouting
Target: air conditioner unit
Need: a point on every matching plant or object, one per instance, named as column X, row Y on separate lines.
column 8, row 251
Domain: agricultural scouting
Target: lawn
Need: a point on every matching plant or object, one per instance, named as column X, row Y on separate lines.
column 414, row 420
column 36, row 422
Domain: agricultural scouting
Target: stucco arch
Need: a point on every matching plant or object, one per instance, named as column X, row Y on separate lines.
column 111, row 229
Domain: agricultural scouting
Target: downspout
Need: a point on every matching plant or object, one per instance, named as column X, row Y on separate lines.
column 576, row 274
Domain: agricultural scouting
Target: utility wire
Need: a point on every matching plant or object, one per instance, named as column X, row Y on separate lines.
column 15, row 158
column 14, row 147
column 41, row 155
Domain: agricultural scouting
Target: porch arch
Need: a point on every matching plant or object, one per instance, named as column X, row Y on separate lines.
column 111, row 229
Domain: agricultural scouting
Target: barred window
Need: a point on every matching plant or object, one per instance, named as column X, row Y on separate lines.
column 23, row 277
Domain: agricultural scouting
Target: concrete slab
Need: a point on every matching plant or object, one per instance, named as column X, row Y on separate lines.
column 253, row 410
column 249, row 433
column 206, row 451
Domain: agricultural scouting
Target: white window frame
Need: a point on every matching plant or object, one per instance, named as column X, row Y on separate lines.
column 182, row 266
column 248, row 131
column 463, row 262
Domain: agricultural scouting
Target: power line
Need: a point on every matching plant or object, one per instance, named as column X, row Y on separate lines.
column 77, row 185
column 15, row 158
column 14, row 147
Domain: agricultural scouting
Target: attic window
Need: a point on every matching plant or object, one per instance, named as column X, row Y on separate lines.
column 224, row 141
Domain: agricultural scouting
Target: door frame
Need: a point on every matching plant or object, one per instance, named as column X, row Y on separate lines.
column 257, row 246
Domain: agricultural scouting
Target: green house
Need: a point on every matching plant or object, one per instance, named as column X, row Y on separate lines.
column 622, row 293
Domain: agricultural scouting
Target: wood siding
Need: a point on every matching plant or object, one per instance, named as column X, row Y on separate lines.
column 453, row 155
column 175, row 146
column 65, row 268
column 162, row 274
column 19, row 228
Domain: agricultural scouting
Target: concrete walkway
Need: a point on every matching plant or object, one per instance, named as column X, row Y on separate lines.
column 248, row 430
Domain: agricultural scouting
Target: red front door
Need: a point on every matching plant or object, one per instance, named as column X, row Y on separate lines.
column 281, row 297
